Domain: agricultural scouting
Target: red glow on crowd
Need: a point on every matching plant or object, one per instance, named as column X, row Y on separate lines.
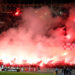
column 29, row 43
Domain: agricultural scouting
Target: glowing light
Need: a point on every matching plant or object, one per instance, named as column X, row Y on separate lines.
column 55, row 59
column 41, row 65
column 45, row 60
column 68, row 36
column 17, row 13
column 67, row 60
column 33, row 60
column 74, row 20
column 65, row 53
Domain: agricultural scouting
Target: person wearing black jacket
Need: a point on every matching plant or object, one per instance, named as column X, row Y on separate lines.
column 69, row 71
column 65, row 71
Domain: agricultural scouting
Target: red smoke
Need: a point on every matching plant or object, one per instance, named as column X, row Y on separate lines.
column 29, row 44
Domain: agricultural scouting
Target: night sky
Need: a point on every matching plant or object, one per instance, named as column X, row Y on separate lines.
column 37, row 1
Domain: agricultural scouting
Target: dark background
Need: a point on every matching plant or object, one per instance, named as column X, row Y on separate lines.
column 37, row 1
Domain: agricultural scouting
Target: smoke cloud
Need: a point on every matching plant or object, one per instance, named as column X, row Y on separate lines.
column 35, row 38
